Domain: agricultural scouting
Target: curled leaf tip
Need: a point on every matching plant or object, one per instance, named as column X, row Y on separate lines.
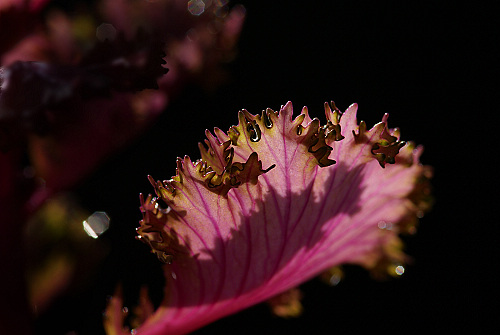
column 275, row 201
column 384, row 142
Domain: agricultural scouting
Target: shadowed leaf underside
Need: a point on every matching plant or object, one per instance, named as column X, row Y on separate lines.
column 273, row 202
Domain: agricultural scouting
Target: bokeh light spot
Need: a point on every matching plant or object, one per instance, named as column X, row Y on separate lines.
column 96, row 224
column 196, row 7
column 106, row 31
column 399, row 270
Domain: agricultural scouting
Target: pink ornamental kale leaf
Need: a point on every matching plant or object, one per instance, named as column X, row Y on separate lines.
column 273, row 203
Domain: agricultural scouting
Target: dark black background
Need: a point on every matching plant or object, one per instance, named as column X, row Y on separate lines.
column 431, row 67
